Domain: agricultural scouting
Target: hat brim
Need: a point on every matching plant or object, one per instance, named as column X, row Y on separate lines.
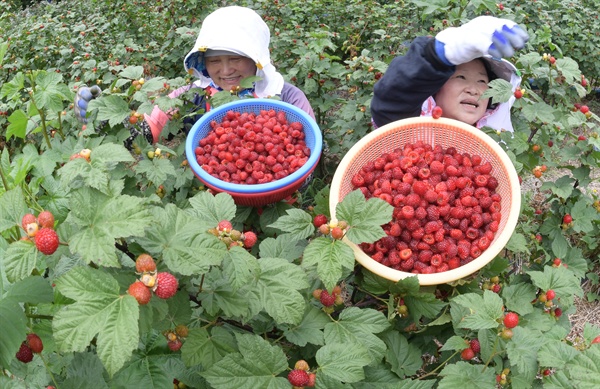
column 501, row 68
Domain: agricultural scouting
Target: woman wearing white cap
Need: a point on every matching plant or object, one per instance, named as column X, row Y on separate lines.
column 226, row 52
column 452, row 71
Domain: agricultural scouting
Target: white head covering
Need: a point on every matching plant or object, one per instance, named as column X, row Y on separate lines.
column 238, row 30
column 499, row 117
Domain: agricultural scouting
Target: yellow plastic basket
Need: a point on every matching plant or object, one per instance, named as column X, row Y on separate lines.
column 446, row 133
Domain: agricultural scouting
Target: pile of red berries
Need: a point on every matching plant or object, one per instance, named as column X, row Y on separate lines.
column 163, row 284
column 41, row 231
column 446, row 209
column 250, row 148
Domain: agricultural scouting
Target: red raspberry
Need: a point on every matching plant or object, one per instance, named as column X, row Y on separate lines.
column 475, row 346
column 35, row 343
column 436, row 113
column 28, row 218
column 24, row 354
column 337, row 233
column 511, row 320
column 46, row 240
column 250, row 239
column 145, row 263
column 596, row 340
column 166, row 285
column 140, row 291
column 225, row 226
column 319, row 220
column 312, row 379
column 298, row 378
column 467, row 354
column 327, row 299
column 550, row 294
column 567, row 219
column 46, row 219
column 174, row 345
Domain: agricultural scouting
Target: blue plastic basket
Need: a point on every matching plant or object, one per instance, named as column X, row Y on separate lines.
column 258, row 194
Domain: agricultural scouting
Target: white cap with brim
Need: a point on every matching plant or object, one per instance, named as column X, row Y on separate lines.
column 241, row 31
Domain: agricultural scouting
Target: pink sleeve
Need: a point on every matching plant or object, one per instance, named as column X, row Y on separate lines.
column 158, row 119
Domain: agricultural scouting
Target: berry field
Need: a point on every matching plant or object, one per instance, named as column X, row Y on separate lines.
column 119, row 268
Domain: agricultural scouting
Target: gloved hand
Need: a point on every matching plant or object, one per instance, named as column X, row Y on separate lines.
column 82, row 98
column 483, row 35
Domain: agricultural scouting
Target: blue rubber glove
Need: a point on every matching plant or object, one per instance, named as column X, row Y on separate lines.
column 82, row 98
column 481, row 36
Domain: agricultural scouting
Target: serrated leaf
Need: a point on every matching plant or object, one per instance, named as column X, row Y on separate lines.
column 379, row 376
column 12, row 208
column 310, row 329
column 343, row 361
column 132, row 72
column 562, row 187
column 485, row 310
column 256, row 366
column 46, row 95
column 518, row 297
column 102, row 219
column 556, row 353
column 296, row 223
column 18, row 125
column 12, row 334
column 582, row 217
column 538, row 112
column 109, row 155
column 19, row 260
column 585, row 369
column 523, row 349
column 364, row 217
column 111, row 108
column 465, row 375
column 499, row 90
column 34, row 290
column 404, row 358
column 359, row 326
column 213, row 208
column 331, row 258
column 156, row 170
column 282, row 247
column 517, row 243
column 423, row 304
column 240, row 267
column 454, row 343
column 561, row 280
column 277, row 288
column 217, row 295
column 84, row 371
column 204, row 348
column 183, row 242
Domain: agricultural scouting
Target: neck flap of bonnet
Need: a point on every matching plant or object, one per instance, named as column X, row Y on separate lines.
column 242, row 31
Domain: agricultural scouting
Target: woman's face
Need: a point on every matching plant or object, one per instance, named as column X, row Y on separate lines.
column 228, row 70
column 459, row 98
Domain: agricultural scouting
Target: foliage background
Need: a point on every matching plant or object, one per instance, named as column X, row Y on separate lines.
column 123, row 204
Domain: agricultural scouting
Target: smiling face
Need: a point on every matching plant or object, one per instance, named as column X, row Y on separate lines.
column 459, row 98
column 228, row 70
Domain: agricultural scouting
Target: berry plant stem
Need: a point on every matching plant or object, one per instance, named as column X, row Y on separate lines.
column 48, row 370
column 440, row 366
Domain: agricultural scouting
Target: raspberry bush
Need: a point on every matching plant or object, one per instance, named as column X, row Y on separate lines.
column 244, row 294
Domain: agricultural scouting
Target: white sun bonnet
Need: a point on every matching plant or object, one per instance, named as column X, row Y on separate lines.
column 238, row 30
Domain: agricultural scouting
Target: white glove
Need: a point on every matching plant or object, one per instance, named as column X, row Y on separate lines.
column 483, row 35
column 82, row 98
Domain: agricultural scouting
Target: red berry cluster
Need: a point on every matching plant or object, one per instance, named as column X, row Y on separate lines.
column 329, row 300
column 249, row 148
column 41, row 231
column 232, row 237
column 446, row 209
column 301, row 376
column 33, row 344
column 163, row 284
column 470, row 352
column 176, row 337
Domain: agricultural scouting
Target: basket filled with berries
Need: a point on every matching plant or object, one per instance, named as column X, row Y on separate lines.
column 454, row 191
column 260, row 151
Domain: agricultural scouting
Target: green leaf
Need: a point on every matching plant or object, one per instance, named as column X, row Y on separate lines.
column 343, row 361
column 518, row 297
column 206, row 349
column 517, row 243
column 583, row 219
column 156, row 170
column 454, row 343
column 132, row 72
column 111, row 108
column 46, row 95
column 569, row 69
column 99, row 311
column 379, row 376
column 256, row 366
column 218, row 296
column 277, row 288
column 561, row 280
column 240, row 267
column 465, row 375
column 296, row 223
column 485, row 310
column 109, row 155
column 585, row 369
column 556, row 353
column 423, row 304
column 19, row 260
column 331, row 258
column 403, row 357
column 11, row 89
column 211, row 209
column 522, row 351
column 499, row 90
column 364, row 217
column 562, row 187
column 538, row 112
column 359, row 326
column 13, row 333
column 34, row 290
column 18, row 125
column 282, row 247
column 12, row 208
column 182, row 241
column 310, row 329
column 102, row 219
